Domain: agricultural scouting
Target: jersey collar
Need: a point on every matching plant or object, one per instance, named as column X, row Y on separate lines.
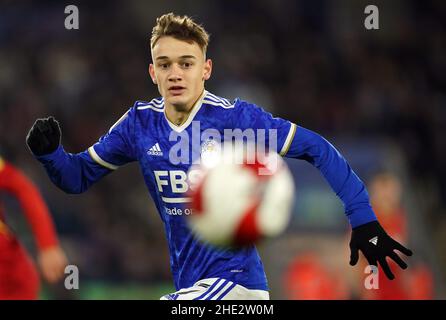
column 191, row 116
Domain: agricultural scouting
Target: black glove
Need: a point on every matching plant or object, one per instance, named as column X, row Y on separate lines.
column 376, row 245
column 44, row 136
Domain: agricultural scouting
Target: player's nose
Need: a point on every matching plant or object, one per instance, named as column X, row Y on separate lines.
column 175, row 74
column 174, row 78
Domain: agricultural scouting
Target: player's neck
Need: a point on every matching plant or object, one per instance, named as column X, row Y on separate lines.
column 179, row 114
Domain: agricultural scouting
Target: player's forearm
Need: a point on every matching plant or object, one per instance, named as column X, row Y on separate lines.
column 310, row 146
column 73, row 173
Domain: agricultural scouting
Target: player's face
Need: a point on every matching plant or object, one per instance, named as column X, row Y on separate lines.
column 179, row 69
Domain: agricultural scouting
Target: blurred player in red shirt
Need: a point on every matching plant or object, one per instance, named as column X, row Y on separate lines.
column 19, row 278
column 307, row 278
column 385, row 195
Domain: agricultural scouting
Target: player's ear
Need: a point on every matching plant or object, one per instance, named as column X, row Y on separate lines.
column 152, row 73
column 207, row 69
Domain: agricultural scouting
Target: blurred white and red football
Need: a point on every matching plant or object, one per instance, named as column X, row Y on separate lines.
column 238, row 200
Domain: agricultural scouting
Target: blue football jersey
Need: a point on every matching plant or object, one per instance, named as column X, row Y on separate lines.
column 165, row 153
column 144, row 134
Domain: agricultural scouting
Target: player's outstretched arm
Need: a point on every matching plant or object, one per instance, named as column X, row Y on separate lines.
column 73, row 173
column 367, row 235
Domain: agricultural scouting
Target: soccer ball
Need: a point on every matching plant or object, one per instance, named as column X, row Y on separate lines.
column 239, row 200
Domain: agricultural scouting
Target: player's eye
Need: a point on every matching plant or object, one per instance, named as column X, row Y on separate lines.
column 163, row 65
column 187, row 64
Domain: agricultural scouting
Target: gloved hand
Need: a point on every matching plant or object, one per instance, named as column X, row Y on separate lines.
column 376, row 245
column 44, row 136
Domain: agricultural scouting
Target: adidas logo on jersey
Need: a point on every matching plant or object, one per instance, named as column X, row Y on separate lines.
column 155, row 150
column 374, row 240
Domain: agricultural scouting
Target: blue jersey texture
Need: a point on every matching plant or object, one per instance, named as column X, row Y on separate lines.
column 144, row 134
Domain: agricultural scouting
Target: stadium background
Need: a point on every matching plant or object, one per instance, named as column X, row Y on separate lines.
column 378, row 95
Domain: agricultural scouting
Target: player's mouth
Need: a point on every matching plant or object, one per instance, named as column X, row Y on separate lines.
column 176, row 90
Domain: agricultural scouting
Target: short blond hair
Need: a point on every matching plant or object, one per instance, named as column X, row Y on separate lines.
column 181, row 28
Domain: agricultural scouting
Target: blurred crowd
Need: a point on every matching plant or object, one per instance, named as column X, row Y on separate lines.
column 311, row 62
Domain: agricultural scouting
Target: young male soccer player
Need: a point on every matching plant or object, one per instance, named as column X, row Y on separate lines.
column 180, row 68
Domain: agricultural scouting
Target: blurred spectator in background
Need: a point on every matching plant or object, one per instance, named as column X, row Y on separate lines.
column 19, row 278
column 308, row 278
